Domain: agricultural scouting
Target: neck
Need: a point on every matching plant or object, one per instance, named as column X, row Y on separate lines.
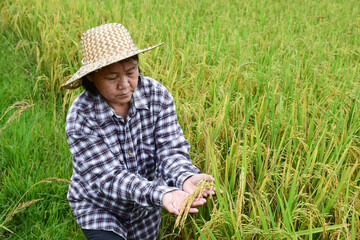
column 121, row 109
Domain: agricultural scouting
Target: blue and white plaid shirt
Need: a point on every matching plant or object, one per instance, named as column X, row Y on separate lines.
column 122, row 169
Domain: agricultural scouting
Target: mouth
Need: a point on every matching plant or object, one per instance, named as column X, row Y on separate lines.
column 124, row 95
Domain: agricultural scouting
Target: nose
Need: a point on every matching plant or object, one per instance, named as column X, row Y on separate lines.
column 123, row 82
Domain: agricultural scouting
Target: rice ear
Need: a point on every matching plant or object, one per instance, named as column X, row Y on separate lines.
column 202, row 186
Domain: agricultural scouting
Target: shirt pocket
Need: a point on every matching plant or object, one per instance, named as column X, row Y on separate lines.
column 146, row 163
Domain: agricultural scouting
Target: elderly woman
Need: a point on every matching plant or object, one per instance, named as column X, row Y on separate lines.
column 130, row 157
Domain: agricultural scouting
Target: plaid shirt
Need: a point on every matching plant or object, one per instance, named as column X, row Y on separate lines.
column 122, row 169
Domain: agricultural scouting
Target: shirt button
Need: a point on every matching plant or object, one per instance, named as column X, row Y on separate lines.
column 129, row 153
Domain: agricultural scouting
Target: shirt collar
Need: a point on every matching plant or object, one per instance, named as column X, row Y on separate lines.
column 138, row 98
column 103, row 110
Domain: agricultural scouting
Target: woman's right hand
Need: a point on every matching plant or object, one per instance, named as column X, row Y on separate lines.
column 173, row 202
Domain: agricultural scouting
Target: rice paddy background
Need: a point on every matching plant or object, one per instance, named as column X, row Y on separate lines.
column 267, row 93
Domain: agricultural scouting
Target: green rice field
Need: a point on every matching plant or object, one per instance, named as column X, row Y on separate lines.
column 267, row 94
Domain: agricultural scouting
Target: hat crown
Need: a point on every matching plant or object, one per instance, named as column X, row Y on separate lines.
column 106, row 41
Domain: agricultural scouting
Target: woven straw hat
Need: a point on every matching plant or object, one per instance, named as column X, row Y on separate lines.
column 102, row 46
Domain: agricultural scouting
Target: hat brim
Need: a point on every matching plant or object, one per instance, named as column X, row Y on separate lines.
column 75, row 81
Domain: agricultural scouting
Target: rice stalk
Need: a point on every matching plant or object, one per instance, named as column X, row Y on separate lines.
column 59, row 180
column 21, row 206
column 287, row 81
column 215, row 226
column 202, row 186
column 23, row 105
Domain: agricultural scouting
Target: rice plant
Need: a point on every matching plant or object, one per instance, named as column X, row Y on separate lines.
column 267, row 93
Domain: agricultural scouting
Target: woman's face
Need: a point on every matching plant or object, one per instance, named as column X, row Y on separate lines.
column 116, row 82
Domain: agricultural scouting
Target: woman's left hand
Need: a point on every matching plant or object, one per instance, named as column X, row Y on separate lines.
column 190, row 184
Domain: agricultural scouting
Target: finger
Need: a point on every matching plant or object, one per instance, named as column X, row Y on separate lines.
column 213, row 191
column 193, row 210
column 198, row 202
column 210, row 178
column 207, row 193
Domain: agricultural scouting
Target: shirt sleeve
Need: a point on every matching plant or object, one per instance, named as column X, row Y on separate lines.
column 174, row 164
column 106, row 174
